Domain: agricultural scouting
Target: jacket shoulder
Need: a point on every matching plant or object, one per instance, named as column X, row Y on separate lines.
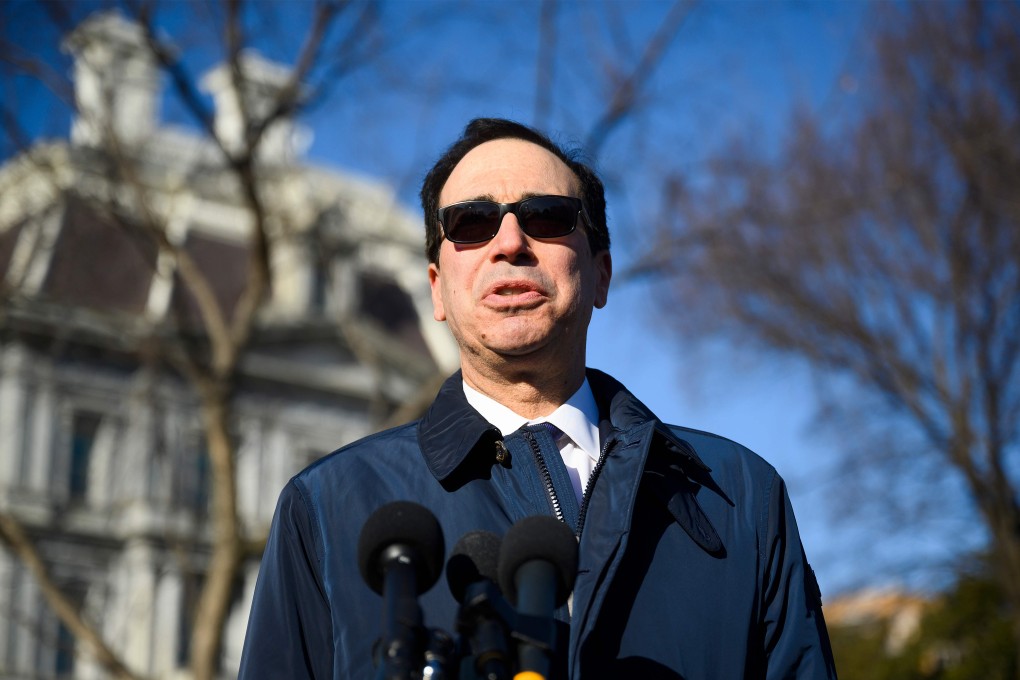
column 720, row 453
column 373, row 451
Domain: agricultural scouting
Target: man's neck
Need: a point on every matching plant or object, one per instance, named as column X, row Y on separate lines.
column 531, row 394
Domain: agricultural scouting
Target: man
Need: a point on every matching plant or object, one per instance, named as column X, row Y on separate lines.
column 690, row 564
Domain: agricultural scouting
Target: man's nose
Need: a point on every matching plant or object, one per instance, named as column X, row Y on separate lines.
column 510, row 242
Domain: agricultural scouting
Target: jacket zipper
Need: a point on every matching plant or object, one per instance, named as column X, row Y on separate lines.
column 595, row 472
column 543, row 470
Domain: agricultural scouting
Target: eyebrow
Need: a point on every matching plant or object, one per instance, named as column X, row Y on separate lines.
column 492, row 197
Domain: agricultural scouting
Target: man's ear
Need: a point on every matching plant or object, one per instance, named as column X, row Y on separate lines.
column 438, row 310
column 603, row 273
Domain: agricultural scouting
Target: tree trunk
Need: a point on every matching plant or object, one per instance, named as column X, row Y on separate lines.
column 1006, row 562
column 227, row 545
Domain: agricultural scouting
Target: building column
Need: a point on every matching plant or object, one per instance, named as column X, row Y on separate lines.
column 46, row 469
column 237, row 623
column 139, row 579
column 13, row 389
column 27, row 612
column 250, row 454
column 166, row 620
column 7, row 623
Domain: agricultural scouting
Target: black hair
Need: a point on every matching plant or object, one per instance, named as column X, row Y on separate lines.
column 481, row 130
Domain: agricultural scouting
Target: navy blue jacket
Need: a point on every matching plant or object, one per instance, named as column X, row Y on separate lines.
column 690, row 561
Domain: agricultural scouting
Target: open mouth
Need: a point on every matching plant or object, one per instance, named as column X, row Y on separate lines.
column 513, row 291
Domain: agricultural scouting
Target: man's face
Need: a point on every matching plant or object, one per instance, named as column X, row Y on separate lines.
column 515, row 298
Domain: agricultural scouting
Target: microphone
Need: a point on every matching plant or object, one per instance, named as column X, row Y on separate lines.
column 400, row 556
column 537, row 568
column 471, row 573
column 475, row 558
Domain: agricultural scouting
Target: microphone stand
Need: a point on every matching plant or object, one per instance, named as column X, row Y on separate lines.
column 484, row 619
column 403, row 645
column 535, row 630
column 440, row 657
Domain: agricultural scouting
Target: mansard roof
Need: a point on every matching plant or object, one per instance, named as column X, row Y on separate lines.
column 82, row 264
column 97, row 232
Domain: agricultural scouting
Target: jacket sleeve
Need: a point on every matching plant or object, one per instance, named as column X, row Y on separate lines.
column 796, row 640
column 290, row 634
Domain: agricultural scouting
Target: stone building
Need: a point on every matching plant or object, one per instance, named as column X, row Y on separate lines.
column 102, row 456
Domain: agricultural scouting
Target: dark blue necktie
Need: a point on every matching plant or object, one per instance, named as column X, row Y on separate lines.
column 554, row 431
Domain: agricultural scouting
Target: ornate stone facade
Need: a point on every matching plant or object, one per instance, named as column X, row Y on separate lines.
column 102, row 454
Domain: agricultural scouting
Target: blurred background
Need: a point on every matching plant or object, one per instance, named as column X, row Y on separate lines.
column 212, row 273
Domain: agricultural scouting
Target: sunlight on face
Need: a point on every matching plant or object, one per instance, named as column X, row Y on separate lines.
column 517, row 296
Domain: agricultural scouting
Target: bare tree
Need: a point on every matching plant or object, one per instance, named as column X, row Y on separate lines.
column 885, row 247
column 206, row 342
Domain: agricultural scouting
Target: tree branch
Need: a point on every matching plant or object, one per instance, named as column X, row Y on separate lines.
column 17, row 541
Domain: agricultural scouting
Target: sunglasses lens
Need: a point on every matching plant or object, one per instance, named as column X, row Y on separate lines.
column 548, row 216
column 539, row 217
column 471, row 222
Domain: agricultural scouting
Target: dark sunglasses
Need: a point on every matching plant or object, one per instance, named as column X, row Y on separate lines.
column 539, row 217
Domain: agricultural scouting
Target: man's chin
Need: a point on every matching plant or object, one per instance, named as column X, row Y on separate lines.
column 519, row 335
column 520, row 352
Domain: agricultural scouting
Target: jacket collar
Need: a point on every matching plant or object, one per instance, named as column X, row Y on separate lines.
column 451, row 429
column 626, row 412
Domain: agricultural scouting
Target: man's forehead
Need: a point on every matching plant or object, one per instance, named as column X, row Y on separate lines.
column 508, row 169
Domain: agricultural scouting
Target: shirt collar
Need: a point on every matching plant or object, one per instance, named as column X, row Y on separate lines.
column 577, row 418
column 451, row 429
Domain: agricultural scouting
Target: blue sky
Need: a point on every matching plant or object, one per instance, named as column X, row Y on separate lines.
column 735, row 69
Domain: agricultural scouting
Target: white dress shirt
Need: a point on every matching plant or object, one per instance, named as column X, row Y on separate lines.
column 577, row 419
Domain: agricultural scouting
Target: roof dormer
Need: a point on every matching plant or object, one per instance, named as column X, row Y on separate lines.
column 116, row 82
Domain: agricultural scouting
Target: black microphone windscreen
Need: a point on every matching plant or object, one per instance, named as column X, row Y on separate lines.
column 405, row 523
column 543, row 538
column 475, row 557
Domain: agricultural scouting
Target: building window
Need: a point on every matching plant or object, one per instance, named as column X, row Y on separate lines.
column 190, row 593
column 64, row 663
column 192, row 478
column 65, row 652
column 320, row 286
column 83, row 438
column 28, row 432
